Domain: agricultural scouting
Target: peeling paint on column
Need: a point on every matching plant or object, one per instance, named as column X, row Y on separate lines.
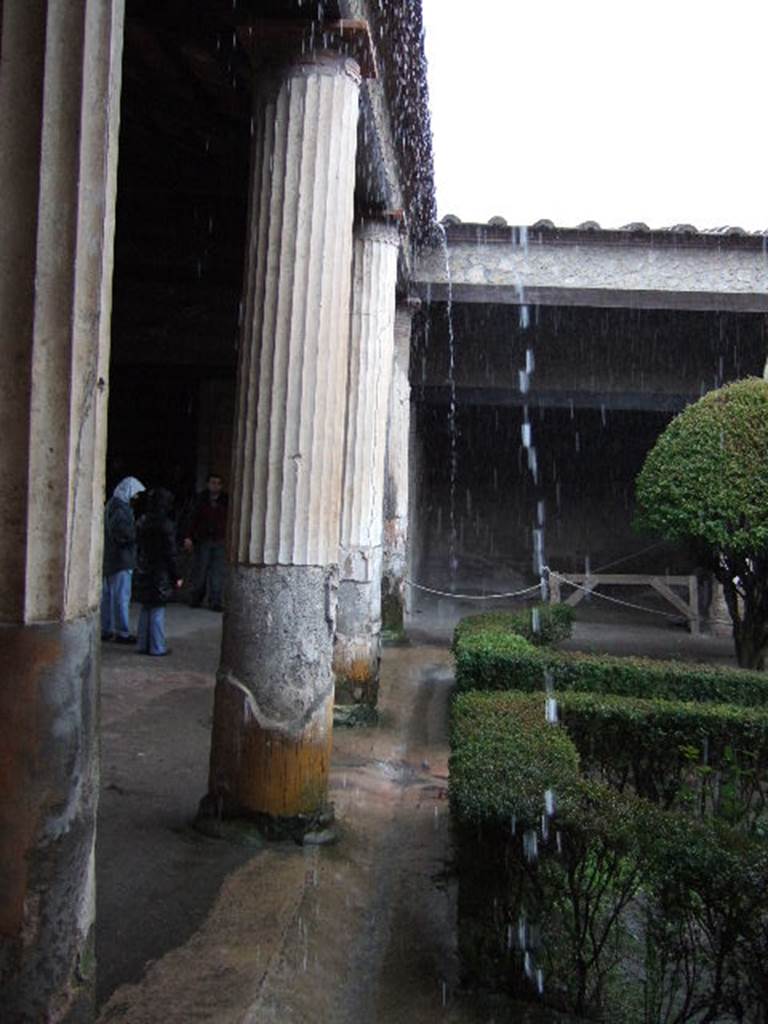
column 274, row 693
column 48, row 794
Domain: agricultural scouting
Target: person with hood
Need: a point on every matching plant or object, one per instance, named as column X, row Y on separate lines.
column 119, row 561
column 157, row 573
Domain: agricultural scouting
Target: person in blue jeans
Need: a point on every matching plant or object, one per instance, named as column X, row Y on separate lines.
column 157, row 573
column 119, row 561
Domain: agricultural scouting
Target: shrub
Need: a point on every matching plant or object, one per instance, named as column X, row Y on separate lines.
column 540, row 624
column 705, row 912
column 556, row 913
column 631, row 912
column 486, row 661
column 706, row 759
column 706, row 482
column 504, row 757
column 483, row 656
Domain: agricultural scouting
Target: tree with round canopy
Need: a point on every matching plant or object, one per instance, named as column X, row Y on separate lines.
column 706, row 482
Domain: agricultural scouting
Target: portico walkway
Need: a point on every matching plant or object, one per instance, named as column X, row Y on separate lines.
column 194, row 929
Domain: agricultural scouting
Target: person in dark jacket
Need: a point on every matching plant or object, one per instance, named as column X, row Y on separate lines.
column 206, row 536
column 119, row 561
column 157, row 573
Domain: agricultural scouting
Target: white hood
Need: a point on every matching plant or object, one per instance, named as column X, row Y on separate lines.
column 128, row 488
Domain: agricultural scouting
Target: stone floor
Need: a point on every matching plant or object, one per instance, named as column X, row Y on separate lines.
column 194, row 929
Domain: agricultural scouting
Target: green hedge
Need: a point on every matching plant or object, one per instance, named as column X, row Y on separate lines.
column 707, row 759
column 504, row 740
column 540, row 624
column 632, row 912
column 490, row 660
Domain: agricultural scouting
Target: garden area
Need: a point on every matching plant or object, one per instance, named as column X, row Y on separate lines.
column 611, row 828
column 610, row 814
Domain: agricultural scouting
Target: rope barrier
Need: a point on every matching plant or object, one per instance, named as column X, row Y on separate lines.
column 473, row 597
column 563, row 579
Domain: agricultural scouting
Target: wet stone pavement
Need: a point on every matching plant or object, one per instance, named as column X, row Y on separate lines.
column 192, row 928
column 195, row 929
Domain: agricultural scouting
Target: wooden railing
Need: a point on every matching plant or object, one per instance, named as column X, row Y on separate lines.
column 587, row 582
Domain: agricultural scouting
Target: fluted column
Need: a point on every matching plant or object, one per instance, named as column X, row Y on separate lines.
column 396, row 474
column 357, row 646
column 274, row 694
column 59, row 111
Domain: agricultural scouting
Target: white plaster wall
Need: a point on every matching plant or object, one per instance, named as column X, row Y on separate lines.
column 624, row 267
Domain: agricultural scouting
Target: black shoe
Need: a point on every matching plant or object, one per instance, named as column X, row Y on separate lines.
column 217, row 607
column 130, row 639
column 162, row 654
column 107, row 637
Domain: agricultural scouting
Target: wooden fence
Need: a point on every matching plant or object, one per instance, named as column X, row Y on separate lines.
column 587, row 582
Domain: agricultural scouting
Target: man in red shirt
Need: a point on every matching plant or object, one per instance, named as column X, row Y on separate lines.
column 206, row 535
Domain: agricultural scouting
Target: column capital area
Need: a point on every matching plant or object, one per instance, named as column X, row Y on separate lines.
column 294, row 46
column 378, row 229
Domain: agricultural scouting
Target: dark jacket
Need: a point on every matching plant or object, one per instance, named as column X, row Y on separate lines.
column 209, row 519
column 120, row 528
column 156, row 569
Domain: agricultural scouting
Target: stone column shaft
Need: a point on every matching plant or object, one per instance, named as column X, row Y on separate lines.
column 358, row 631
column 59, row 115
column 397, row 473
column 274, row 696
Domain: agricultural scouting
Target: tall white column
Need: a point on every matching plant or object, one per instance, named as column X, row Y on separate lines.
column 274, row 694
column 396, row 474
column 59, row 112
column 357, row 647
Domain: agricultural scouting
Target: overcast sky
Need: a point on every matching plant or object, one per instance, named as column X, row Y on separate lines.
column 606, row 110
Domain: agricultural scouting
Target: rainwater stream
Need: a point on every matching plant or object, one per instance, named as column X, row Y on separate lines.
column 522, row 933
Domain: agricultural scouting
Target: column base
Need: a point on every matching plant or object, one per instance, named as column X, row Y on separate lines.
column 262, row 773
column 256, row 830
column 48, row 797
column 273, row 709
column 393, row 610
column 357, row 644
column 356, row 670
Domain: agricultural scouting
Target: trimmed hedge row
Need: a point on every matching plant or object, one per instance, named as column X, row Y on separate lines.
column 631, row 912
column 494, row 660
column 707, row 759
column 504, row 740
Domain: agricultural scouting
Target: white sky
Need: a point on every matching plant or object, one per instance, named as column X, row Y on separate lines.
column 606, row 110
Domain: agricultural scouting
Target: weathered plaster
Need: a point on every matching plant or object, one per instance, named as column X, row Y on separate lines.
column 372, row 320
column 598, row 268
column 59, row 110
column 395, row 536
column 272, row 727
column 48, row 795
column 276, row 641
column 274, row 692
column 58, row 150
